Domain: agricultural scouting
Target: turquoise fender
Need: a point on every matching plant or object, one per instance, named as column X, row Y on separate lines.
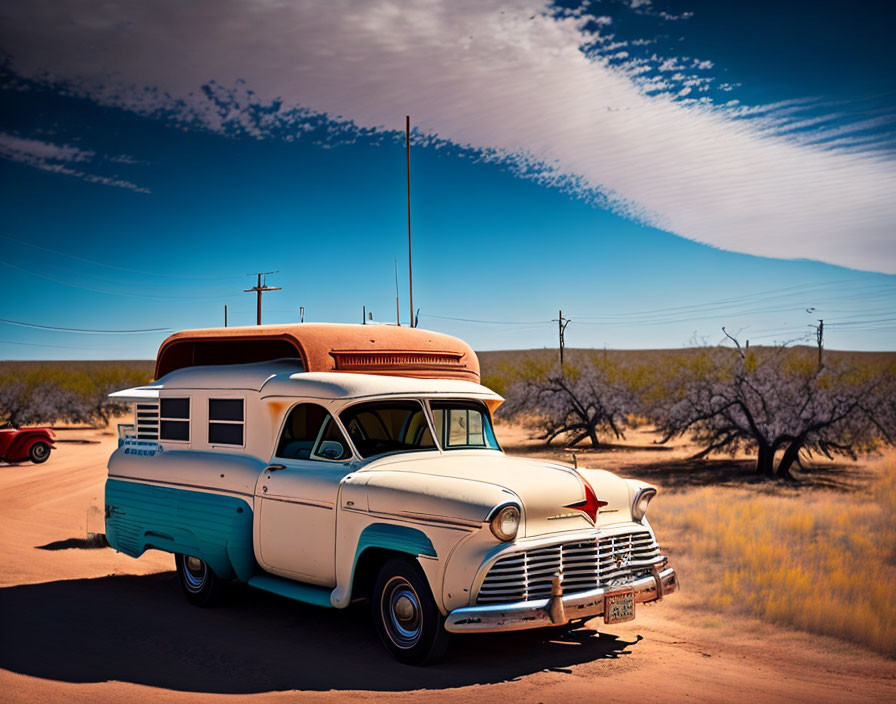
column 212, row 527
column 389, row 537
column 392, row 537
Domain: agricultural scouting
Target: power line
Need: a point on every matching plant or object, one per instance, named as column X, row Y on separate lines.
column 117, row 268
column 53, row 328
column 61, row 347
column 767, row 295
column 862, row 322
column 489, row 322
column 113, row 293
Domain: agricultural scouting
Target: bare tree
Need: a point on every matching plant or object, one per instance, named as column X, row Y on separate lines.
column 776, row 401
column 575, row 403
column 28, row 404
column 53, row 393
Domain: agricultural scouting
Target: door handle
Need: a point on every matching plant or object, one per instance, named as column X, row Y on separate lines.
column 275, row 467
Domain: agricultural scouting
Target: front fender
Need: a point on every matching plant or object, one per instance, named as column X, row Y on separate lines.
column 385, row 536
column 22, row 444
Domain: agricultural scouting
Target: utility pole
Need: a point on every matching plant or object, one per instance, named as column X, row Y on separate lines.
column 407, row 144
column 561, row 329
column 819, row 336
column 363, row 315
column 225, row 315
column 301, row 314
column 259, row 289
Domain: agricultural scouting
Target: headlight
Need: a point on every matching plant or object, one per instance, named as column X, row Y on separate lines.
column 642, row 499
column 505, row 523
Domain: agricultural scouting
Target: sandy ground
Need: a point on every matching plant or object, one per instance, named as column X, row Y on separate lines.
column 84, row 624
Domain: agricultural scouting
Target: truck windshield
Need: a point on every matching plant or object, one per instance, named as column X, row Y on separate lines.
column 387, row 426
column 462, row 425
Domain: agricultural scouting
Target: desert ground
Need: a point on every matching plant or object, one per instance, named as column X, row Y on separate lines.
column 81, row 623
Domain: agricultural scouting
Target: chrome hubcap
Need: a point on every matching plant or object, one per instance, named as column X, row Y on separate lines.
column 195, row 573
column 400, row 609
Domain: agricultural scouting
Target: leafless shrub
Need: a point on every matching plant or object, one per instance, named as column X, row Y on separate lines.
column 586, row 401
column 55, row 392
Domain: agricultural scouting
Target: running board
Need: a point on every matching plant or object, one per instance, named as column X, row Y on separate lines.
column 306, row 593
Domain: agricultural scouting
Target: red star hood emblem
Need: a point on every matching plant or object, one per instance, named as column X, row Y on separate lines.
column 590, row 505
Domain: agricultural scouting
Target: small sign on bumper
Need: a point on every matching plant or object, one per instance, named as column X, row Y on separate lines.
column 619, row 607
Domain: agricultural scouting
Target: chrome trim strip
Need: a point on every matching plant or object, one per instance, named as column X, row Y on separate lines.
column 282, row 500
column 155, row 482
column 419, row 518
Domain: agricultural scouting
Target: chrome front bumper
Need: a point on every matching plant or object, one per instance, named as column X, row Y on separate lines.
column 557, row 609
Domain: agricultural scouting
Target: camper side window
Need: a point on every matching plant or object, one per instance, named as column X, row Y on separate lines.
column 225, row 421
column 174, row 419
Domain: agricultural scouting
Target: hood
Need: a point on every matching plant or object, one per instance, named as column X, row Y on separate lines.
column 469, row 484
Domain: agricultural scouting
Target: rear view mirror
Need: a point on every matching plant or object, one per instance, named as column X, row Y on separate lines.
column 330, row 449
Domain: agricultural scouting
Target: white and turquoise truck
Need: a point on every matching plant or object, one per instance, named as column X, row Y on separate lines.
column 330, row 462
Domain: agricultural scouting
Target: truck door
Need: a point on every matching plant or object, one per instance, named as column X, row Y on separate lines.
column 295, row 527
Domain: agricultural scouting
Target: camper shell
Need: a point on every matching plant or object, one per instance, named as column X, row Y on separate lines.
column 330, row 462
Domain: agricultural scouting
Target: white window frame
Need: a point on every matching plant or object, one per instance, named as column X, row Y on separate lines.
column 188, row 420
column 320, row 434
column 225, row 422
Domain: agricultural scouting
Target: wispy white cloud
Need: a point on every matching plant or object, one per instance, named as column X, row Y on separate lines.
column 56, row 158
column 23, row 148
column 507, row 82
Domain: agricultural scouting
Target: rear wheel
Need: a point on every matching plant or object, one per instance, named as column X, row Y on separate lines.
column 406, row 617
column 200, row 584
column 39, row 452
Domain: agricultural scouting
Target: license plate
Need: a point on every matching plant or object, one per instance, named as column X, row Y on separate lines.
column 619, row 607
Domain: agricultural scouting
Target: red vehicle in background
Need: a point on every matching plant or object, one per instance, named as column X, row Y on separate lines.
column 23, row 444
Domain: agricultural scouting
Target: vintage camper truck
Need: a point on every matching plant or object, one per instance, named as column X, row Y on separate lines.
column 327, row 463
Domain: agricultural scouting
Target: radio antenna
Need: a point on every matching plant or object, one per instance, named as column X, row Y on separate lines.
column 407, row 143
column 397, row 309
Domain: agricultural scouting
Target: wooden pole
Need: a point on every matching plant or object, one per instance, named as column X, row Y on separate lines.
column 259, row 289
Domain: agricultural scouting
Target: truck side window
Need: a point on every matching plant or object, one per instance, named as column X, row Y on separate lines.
column 226, row 418
column 174, row 419
column 311, row 433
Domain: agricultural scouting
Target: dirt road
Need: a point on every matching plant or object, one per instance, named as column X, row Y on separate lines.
column 79, row 623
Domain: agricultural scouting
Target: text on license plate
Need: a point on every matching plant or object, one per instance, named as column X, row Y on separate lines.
column 619, row 607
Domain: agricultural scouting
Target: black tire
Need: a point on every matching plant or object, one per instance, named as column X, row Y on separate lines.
column 200, row 584
column 405, row 614
column 39, row 452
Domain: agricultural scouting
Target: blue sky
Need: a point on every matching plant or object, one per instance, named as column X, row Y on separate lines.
column 656, row 170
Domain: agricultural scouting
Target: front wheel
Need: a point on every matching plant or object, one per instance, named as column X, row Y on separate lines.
column 406, row 617
column 200, row 584
column 39, row 452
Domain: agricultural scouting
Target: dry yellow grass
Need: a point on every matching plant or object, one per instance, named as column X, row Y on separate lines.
column 823, row 562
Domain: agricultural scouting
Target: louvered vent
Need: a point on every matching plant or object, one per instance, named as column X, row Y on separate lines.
column 359, row 361
column 147, row 421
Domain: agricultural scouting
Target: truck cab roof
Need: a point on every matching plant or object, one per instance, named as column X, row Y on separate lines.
column 286, row 377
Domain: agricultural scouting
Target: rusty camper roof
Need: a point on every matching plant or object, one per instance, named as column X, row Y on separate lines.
column 325, row 347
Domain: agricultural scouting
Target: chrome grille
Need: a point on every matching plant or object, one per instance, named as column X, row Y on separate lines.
column 610, row 560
